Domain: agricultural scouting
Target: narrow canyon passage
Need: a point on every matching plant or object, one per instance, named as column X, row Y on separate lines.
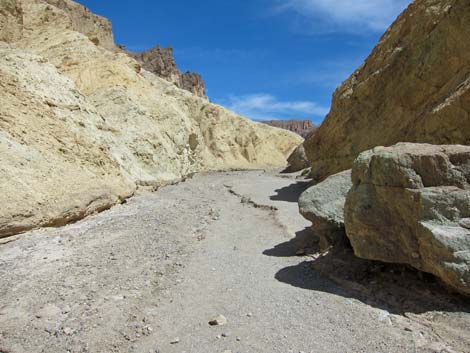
column 148, row 276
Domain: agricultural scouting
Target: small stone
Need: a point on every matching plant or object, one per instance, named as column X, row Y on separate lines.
column 249, row 314
column 218, row 321
column 67, row 331
column 465, row 223
column 238, row 339
column 175, row 340
column 225, row 335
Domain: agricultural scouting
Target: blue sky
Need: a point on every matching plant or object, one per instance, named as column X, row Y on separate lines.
column 265, row 59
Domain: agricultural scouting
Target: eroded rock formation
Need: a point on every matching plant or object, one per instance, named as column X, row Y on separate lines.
column 415, row 87
column 323, row 205
column 302, row 127
column 161, row 62
column 81, row 126
column 410, row 204
column 298, row 160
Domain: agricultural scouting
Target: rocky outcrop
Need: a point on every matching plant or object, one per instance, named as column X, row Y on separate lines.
column 161, row 62
column 55, row 166
column 81, row 126
column 97, row 28
column 193, row 82
column 302, row 127
column 410, row 204
column 297, row 161
column 323, row 205
column 11, row 20
column 415, row 87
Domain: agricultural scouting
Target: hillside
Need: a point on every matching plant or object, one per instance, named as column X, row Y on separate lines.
column 83, row 125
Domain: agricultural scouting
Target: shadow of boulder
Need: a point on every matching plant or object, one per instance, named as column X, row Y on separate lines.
column 396, row 288
column 290, row 193
column 305, row 241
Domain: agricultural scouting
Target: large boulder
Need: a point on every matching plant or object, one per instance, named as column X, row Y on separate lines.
column 415, row 87
column 297, row 160
column 410, row 204
column 323, row 205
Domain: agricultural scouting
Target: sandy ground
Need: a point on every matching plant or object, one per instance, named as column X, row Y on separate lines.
column 148, row 276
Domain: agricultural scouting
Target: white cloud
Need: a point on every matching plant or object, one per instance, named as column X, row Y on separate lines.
column 346, row 15
column 266, row 107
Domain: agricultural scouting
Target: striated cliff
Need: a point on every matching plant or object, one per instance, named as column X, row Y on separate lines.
column 414, row 87
column 161, row 62
column 302, row 127
column 83, row 126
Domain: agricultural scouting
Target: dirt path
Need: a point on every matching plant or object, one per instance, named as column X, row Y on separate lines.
column 147, row 276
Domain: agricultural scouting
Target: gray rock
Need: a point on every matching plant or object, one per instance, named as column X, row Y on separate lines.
column 408, row 205
column 297, row 160
column 465, row 223
column 323, row 205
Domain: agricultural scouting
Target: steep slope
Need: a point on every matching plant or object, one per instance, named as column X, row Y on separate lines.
column 414, row 87
column 83, row 126
column 54, row 167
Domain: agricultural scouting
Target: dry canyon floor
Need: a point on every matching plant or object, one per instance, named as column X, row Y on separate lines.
column 148, row 276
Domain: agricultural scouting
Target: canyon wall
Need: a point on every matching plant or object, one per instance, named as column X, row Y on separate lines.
column 414, row 87
column 82, row 125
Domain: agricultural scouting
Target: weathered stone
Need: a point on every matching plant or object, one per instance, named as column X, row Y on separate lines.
column 161, row 62
column 415, row 87
column 97, row 28
column 297, row 160
column 11, row 20
column 405, row 207
column 81, row 127
column 323, row 205
column 465, row 223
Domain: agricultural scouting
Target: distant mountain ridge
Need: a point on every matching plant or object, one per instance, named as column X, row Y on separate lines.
column 302, row 127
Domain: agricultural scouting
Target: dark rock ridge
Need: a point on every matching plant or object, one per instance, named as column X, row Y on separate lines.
column 161, row 62
column 302, row 127
column 414, row 87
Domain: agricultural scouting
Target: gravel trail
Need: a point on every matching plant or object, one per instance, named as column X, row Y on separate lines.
column 149, row 275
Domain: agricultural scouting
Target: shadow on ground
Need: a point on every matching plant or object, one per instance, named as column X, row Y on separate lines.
column 290, row 193
column 398, row 289
column 304, row 240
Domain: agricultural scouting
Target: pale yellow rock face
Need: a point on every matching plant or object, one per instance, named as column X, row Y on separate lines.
column 11, row 20
column 83, row 126
column 52, row 168
column 414, row 87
